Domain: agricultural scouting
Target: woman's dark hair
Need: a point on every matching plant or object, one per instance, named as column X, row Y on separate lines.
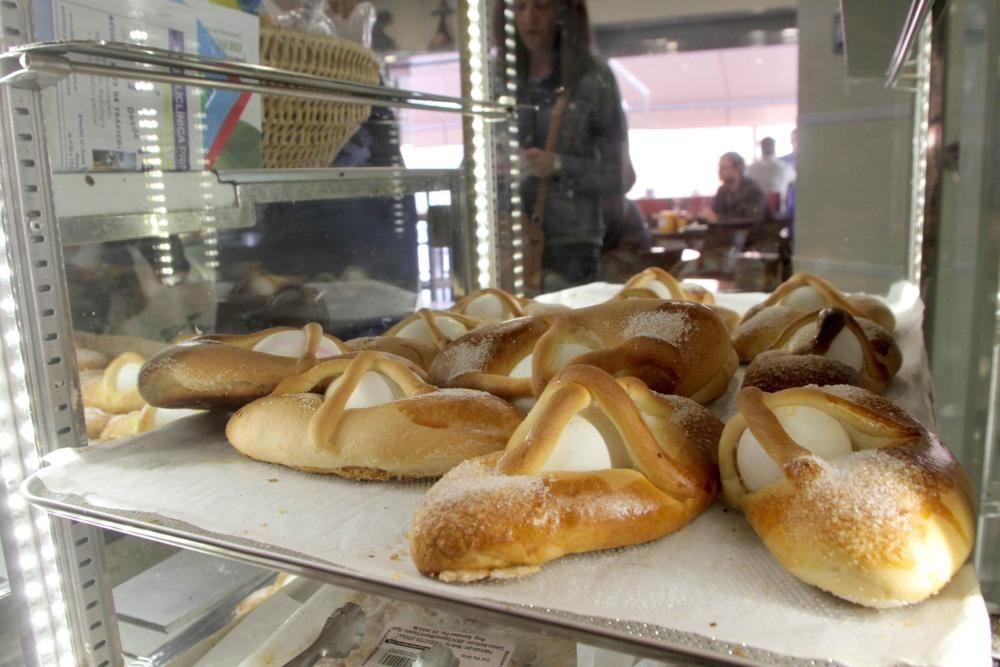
column 738, row 162
column 573, row 55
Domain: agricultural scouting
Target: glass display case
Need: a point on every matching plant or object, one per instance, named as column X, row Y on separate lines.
column 138, row 535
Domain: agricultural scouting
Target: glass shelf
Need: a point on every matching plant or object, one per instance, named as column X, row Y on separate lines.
column 116, row 206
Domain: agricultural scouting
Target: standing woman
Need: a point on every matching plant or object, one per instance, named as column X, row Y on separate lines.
column 572, row 143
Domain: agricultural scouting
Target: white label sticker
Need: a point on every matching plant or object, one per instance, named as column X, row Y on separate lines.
column 401, row 646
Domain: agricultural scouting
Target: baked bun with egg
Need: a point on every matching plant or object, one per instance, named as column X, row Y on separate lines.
column 675, row 347
column 598, row 463
column 140, row 421
column 496, row 305
column 115, row 391
column 824, row 348
column 370, row 416
column 805, row 293
column 848, row 492
column 420, row 336
column 224, row 372
column 655, row 283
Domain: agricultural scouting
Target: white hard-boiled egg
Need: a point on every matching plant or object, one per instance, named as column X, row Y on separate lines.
column 813, row 429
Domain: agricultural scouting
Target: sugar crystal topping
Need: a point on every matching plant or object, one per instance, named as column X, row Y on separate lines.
column 671, row 327
column 866, row 501
column 468, row 356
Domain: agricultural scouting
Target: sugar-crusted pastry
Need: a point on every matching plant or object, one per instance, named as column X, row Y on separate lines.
column 496, row 305
column 827, row 347
column 675, row 347
column 115, row 391
column 224, row 372
column 597, row 464
column 805, row 292
column 376, row 419
column 848, row 492
column 655, row 283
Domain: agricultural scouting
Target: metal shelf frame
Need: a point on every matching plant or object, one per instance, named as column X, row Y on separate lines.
column 42, row 64
column 638, row 639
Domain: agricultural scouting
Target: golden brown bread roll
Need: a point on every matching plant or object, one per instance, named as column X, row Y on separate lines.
column 655, row 283
column 377, row 420
column 224, row 372
column 806, row 292
column 827, row 347
column 848, row 492
column 674, row 347
column 115, row 390
column 597, row 464
column 496, row 305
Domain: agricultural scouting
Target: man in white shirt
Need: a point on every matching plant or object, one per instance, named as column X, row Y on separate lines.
column 772, row 174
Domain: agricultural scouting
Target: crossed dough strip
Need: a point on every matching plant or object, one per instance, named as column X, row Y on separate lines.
column 504, row 515
column 655, row 283
column 422, row 432
column 492, row 304
column 885, row 524
column 114, row 391
column 224, row 372
column 806, row 292
column 827, row 347
column 674, row 347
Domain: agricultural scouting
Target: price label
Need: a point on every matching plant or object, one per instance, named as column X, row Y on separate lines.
column 402, row 646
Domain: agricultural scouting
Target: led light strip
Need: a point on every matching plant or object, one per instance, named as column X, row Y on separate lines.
column 34, row 549
column 514, row 147
column 921, row 126
column 481, row 177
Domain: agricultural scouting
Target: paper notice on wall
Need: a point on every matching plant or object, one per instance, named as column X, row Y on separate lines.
column 103, row 123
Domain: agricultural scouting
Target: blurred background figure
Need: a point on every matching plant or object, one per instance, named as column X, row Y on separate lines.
column 790, row 157
column 774, row 176
column 789, row 203
column 572, row 145
column 738, row 198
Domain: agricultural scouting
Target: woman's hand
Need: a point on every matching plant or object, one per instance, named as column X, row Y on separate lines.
column 539, row 163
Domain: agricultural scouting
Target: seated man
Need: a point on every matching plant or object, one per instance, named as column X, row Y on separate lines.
column 738, row 198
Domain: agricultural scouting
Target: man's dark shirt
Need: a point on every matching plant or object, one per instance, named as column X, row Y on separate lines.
column 746, row 202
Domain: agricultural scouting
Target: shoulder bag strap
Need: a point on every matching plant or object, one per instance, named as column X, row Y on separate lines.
column 558, row 110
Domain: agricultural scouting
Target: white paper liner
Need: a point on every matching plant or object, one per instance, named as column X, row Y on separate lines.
column 713, row 579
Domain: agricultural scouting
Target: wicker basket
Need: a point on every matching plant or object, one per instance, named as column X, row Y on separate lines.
column 309, row 133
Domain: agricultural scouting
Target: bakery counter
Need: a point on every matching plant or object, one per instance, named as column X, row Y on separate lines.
column 710, row 593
